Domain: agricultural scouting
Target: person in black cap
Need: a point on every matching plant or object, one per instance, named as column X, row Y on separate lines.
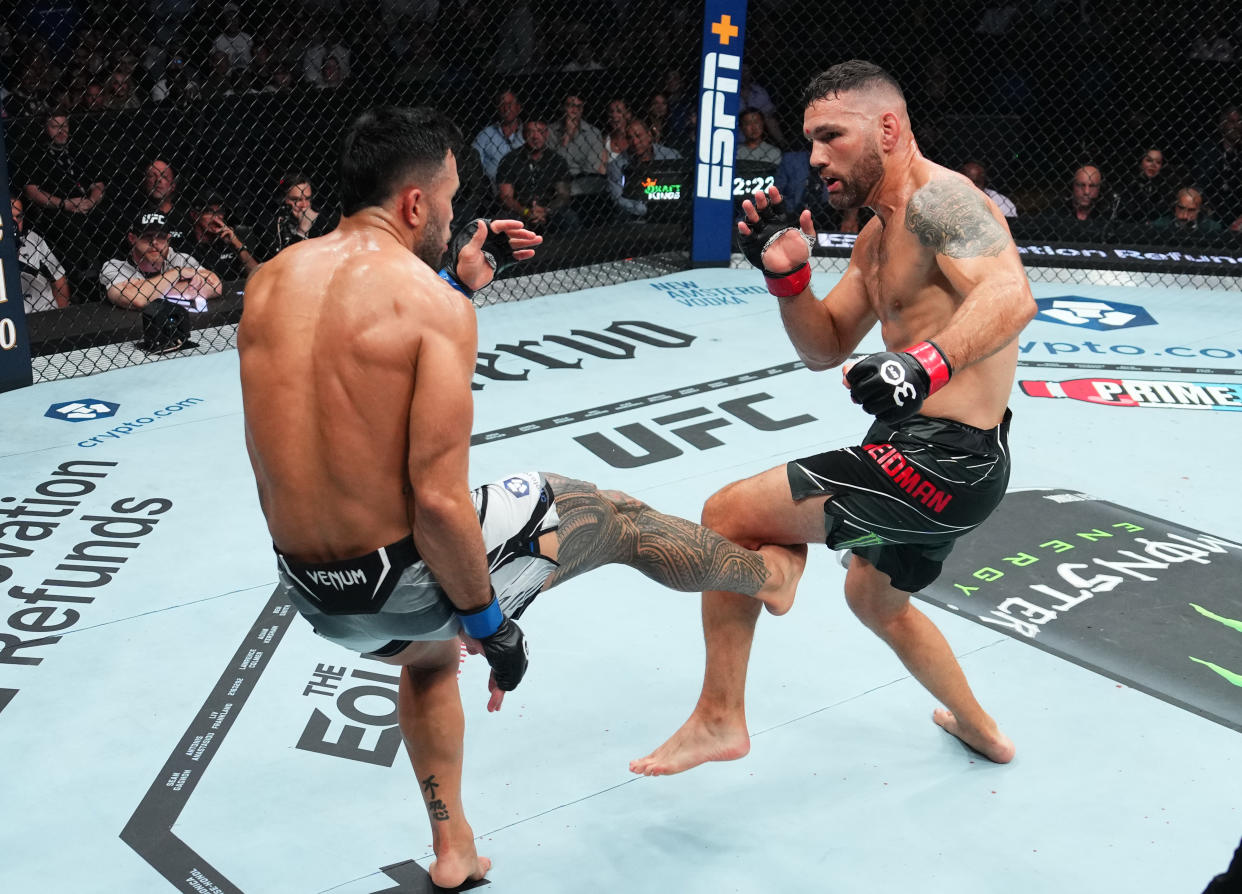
column 215, row 242
column 152, row 270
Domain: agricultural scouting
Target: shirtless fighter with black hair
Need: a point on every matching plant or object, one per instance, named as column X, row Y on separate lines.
column 356, row 361
column 938, row 270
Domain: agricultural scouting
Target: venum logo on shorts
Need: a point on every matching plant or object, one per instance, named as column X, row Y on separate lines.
column 519, row 487
column 1092, row 313
column 1141, row 393
column 85, row 410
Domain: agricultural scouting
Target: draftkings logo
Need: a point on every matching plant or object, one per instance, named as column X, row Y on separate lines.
column 655, row 191
column 84, row 410
column 1091, row 313
column 1141, row 393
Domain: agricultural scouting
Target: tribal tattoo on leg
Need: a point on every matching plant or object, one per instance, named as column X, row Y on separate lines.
column 601, row 527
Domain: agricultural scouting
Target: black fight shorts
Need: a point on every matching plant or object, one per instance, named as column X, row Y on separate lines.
column 902, row 498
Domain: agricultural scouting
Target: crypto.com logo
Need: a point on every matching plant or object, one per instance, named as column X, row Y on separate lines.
column 84, row 410
column 1092, row 313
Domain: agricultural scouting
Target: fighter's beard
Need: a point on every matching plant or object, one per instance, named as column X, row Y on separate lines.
column 855, row 189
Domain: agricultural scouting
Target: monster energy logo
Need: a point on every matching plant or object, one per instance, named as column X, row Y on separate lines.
column 1088, row 578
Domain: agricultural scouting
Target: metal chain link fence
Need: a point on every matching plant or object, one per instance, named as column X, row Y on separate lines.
column 1110, row 130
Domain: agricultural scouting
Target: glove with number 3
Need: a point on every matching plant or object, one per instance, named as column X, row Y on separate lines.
column 892, row 386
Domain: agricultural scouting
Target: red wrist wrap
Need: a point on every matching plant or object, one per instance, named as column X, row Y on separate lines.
column 789, row 284
column 932, row 360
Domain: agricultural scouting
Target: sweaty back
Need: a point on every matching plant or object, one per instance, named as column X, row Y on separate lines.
column 328, row 350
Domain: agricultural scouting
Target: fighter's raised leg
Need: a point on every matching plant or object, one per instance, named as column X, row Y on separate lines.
column 756, row 510
column 603, row 527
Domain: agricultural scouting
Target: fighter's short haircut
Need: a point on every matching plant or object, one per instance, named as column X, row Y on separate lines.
column 388, row 147
column 846, row 77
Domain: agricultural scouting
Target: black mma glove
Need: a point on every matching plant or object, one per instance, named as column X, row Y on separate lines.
column 503, row 644
column 770, row 226
column 892, row 386
column 496, row 252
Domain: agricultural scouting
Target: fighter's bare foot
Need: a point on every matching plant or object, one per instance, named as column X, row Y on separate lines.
column 785, row 566
column 697, row 742
column 992, row 744
column 453, row 870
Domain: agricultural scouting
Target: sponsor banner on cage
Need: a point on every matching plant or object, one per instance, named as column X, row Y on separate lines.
column 720, row 67
column 1225, row 259
column 1148, row 602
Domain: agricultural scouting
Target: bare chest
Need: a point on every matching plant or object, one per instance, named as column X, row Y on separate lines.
column 899, row 273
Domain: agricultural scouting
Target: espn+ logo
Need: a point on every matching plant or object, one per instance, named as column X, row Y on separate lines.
column 716, row 126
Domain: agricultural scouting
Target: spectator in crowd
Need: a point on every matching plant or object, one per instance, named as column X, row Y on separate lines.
column 1188, row 217
column 156, row 192
column 753, row 96
column 44, row 284
column 657, row 117
column 233, row 42
column 296, row 218
column 331, row 75
column 178, row 82
column 753, row 147
column 616, row 140
column 1084, row 218
column 65, row 195
column 1219, row 169
column 214, row 241
column 533, row 183
column 497, row 140
column 220, row 78
column 326, row 45
column 1149, row 193
column 120, row 92
column 682, row 105
column 795, row 178
column 625, row 173
column 977, row 174
column 151, row 269
column 93, row 98
column 584, row 55
column 582, row 146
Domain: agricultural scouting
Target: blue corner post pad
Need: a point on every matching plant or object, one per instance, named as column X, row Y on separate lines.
column 455, row 282
column 482, row 622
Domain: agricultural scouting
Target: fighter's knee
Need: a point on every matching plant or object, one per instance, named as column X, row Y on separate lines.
column 876, row 614
column 719, row 513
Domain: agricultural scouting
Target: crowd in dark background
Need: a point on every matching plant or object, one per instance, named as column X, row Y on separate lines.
column 1092, row 121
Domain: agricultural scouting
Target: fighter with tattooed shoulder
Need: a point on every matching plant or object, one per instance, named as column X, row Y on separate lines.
column 938, row 270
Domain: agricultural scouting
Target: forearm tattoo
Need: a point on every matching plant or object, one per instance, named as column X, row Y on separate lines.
column 952, row 219
column 604, row 527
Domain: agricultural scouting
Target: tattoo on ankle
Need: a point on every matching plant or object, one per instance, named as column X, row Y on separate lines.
column 437, row 808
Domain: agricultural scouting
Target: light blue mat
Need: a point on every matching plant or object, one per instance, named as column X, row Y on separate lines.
column 246, row 754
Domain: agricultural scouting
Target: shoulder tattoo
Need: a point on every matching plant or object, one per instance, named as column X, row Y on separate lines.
column 952, row 219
